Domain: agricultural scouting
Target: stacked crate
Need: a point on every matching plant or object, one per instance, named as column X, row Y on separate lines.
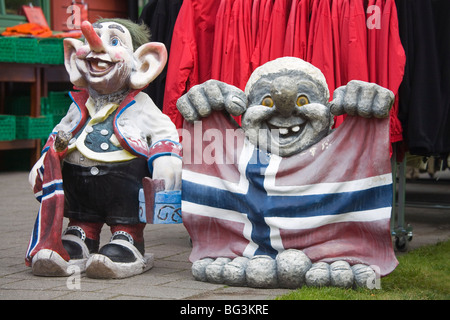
column 31, row 50
column 7, row 127
column 33, row 127
column 17, row 125
column 56, row 105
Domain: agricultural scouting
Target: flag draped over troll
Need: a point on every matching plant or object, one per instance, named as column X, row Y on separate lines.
column 48, row 190
column 332, row 200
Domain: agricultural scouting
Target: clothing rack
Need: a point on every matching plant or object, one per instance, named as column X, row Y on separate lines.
column 401, row 231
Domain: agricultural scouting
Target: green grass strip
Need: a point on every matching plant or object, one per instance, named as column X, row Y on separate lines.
column 422, row 274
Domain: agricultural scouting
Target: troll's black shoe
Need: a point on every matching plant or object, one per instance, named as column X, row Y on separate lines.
column 50, row 264
column 120, row 258
column 77, row 245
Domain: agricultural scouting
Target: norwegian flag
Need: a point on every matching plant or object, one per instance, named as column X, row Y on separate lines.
column 48, row 190
column 333, row 200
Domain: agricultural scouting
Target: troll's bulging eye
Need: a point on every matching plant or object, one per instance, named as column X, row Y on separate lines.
column 114, row 42
column 302, row 100
column 267, row 102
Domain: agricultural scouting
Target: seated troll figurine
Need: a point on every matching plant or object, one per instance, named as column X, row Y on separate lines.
column 93, row 163
column 285, row 200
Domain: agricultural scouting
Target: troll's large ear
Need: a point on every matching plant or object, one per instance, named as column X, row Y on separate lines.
column 151, row 59
column 71, row 47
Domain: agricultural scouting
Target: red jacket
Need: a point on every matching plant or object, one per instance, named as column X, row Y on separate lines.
column 273, row 45
column 388, row 59
column 190, row 53
column 297, row 30
column 320, row 41
column 231, row 52
column 350, row 44
column 263, row 21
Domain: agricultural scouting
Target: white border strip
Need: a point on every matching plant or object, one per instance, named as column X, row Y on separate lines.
column 319, row 188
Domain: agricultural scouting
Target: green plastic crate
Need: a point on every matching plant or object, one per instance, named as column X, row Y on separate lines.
column 59, row 102
column 7, row 128
column 56, row 104
column 27, row 50
column 44, row 106
column 7, row 49
column 51, row 51
column 33, row 127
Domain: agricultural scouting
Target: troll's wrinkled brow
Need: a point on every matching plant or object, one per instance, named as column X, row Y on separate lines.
column 111, row 26
column 116, row 26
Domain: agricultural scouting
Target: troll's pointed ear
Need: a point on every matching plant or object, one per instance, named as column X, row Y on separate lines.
column 71, row 47
column 151, row 59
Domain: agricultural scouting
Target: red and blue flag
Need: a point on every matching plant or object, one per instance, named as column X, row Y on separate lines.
column 332, row 200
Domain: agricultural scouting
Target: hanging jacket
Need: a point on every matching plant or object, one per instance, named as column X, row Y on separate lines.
column 350, row 44
column 190, row 56
column 297, row 30
column 273, row 45
column 424, row 98
column 386, row 56
column 264, row 17
column 320, row 41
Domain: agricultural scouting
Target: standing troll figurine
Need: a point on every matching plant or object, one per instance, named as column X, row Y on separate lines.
column 93, row 163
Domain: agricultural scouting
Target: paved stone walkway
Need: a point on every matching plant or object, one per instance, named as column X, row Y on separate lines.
column 170, row 278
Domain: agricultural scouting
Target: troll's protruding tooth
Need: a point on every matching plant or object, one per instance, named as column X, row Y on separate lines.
column 295, row 129
column 102, row 65
column 284, row 130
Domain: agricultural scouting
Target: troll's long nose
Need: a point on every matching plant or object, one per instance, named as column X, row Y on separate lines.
column 284, row 93
column 91, row 36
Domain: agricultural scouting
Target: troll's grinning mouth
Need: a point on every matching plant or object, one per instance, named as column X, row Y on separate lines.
column 98, row 66
column 286, row 132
